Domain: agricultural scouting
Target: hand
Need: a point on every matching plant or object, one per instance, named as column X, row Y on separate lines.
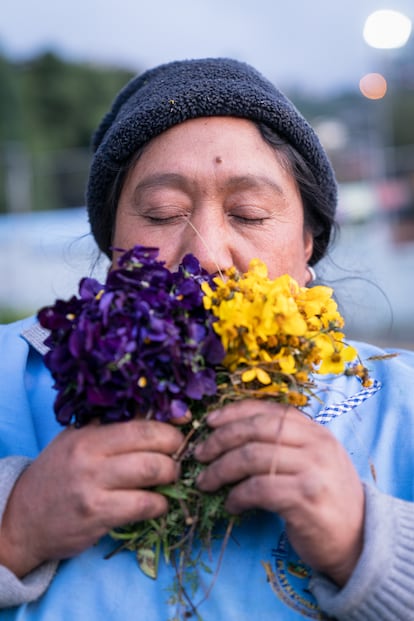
column 279, row 460
column 84, row 483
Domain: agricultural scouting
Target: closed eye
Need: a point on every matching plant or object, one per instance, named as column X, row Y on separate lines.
column 167, row 214
column 248, row 210
column 249, row 219
column 249, row 214
column 160, row 220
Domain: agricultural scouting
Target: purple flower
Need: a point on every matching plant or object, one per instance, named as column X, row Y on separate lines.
column 141, row 342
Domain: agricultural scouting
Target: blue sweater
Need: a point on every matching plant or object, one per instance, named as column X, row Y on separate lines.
column 260, row 576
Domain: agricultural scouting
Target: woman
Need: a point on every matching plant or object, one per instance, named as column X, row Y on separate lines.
column 208, row 157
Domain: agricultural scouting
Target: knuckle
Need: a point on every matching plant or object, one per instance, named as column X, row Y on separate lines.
column 253, row 424
column 250, row 454
column 217, row 442
column 312, row 487
column 144, row 430
column 88, row 503
column 150, row 470
column 158, row 469
column 79, row 455
column 155, row 433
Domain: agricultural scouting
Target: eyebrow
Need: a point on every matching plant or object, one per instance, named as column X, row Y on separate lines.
column 254, row 181
column 175, row 180
column 160, row 180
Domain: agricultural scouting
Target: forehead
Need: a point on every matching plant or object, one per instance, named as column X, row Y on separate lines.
column 212, row 144
column 208, row 127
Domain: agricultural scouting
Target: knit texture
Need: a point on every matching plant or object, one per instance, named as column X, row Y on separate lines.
column 175, row 92
column 15, row 591
column 380, row 587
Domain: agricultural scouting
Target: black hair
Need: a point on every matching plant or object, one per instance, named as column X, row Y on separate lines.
column 318, row 215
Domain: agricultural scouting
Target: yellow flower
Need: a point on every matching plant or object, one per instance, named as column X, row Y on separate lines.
column 314, row 300
column 280, row 331
column 286, row 362
column 256, row 373
column 335, row 362
column 296, row 398
column 258, row 268
column 302, row 377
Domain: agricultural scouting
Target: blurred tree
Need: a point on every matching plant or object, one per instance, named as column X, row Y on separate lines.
column 65, row 100
column 11, row 130
column 403, row 117
column 10, row 111
column 49, row 108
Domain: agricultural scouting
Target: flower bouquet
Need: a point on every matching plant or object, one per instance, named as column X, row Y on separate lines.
column 158, row 343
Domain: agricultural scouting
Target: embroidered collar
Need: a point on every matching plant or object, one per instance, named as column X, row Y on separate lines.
column 329, row 412
column 35, row 335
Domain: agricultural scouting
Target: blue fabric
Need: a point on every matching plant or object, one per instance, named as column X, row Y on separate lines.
column 260, row 576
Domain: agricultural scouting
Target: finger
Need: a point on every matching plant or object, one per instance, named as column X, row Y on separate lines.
column 270, row 428
column 247, row 407
column 123, row 507
column 138, row 470
column 130, row 436
column 249, row 460
column 275, row 494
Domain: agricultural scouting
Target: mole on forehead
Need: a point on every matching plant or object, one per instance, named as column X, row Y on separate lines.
column 218, row 159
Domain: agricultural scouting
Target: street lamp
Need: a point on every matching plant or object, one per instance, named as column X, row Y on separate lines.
column 386, row 29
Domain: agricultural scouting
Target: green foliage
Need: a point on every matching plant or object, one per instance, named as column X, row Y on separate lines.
column 65, row 101
column 53, row 103
column 8, row 315
column 49, row 109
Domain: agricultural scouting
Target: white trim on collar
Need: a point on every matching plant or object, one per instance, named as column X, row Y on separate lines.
column 35, row 335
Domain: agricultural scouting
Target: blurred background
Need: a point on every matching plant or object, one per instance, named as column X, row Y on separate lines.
column 347, row 66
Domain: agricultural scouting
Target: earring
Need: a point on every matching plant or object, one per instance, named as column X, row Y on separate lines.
column 312, row 274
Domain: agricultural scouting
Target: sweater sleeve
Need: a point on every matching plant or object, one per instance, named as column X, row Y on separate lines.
column 15, row 591
column 382, row 584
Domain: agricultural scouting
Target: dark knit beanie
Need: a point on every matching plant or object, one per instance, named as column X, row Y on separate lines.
column 181, row 90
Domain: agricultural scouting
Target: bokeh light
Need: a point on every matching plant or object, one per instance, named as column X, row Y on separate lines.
column 373, row 86
column 387, row 29
column 332, row 133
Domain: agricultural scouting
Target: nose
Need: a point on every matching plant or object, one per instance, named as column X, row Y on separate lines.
column 209, row 241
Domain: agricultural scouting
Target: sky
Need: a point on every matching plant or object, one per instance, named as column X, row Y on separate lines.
column 312, row 45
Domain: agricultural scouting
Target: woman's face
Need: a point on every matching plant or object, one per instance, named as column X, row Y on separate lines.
column 214, row 188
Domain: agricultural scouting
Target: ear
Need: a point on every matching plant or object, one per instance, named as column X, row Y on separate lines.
column 308, row 243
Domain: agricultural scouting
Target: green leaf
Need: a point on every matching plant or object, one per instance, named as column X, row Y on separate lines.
column 147, row 561
column 172, row 491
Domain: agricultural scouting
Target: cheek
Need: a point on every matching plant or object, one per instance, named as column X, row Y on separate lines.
column 129, row 232
column 287, row 255
column 122, row 230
